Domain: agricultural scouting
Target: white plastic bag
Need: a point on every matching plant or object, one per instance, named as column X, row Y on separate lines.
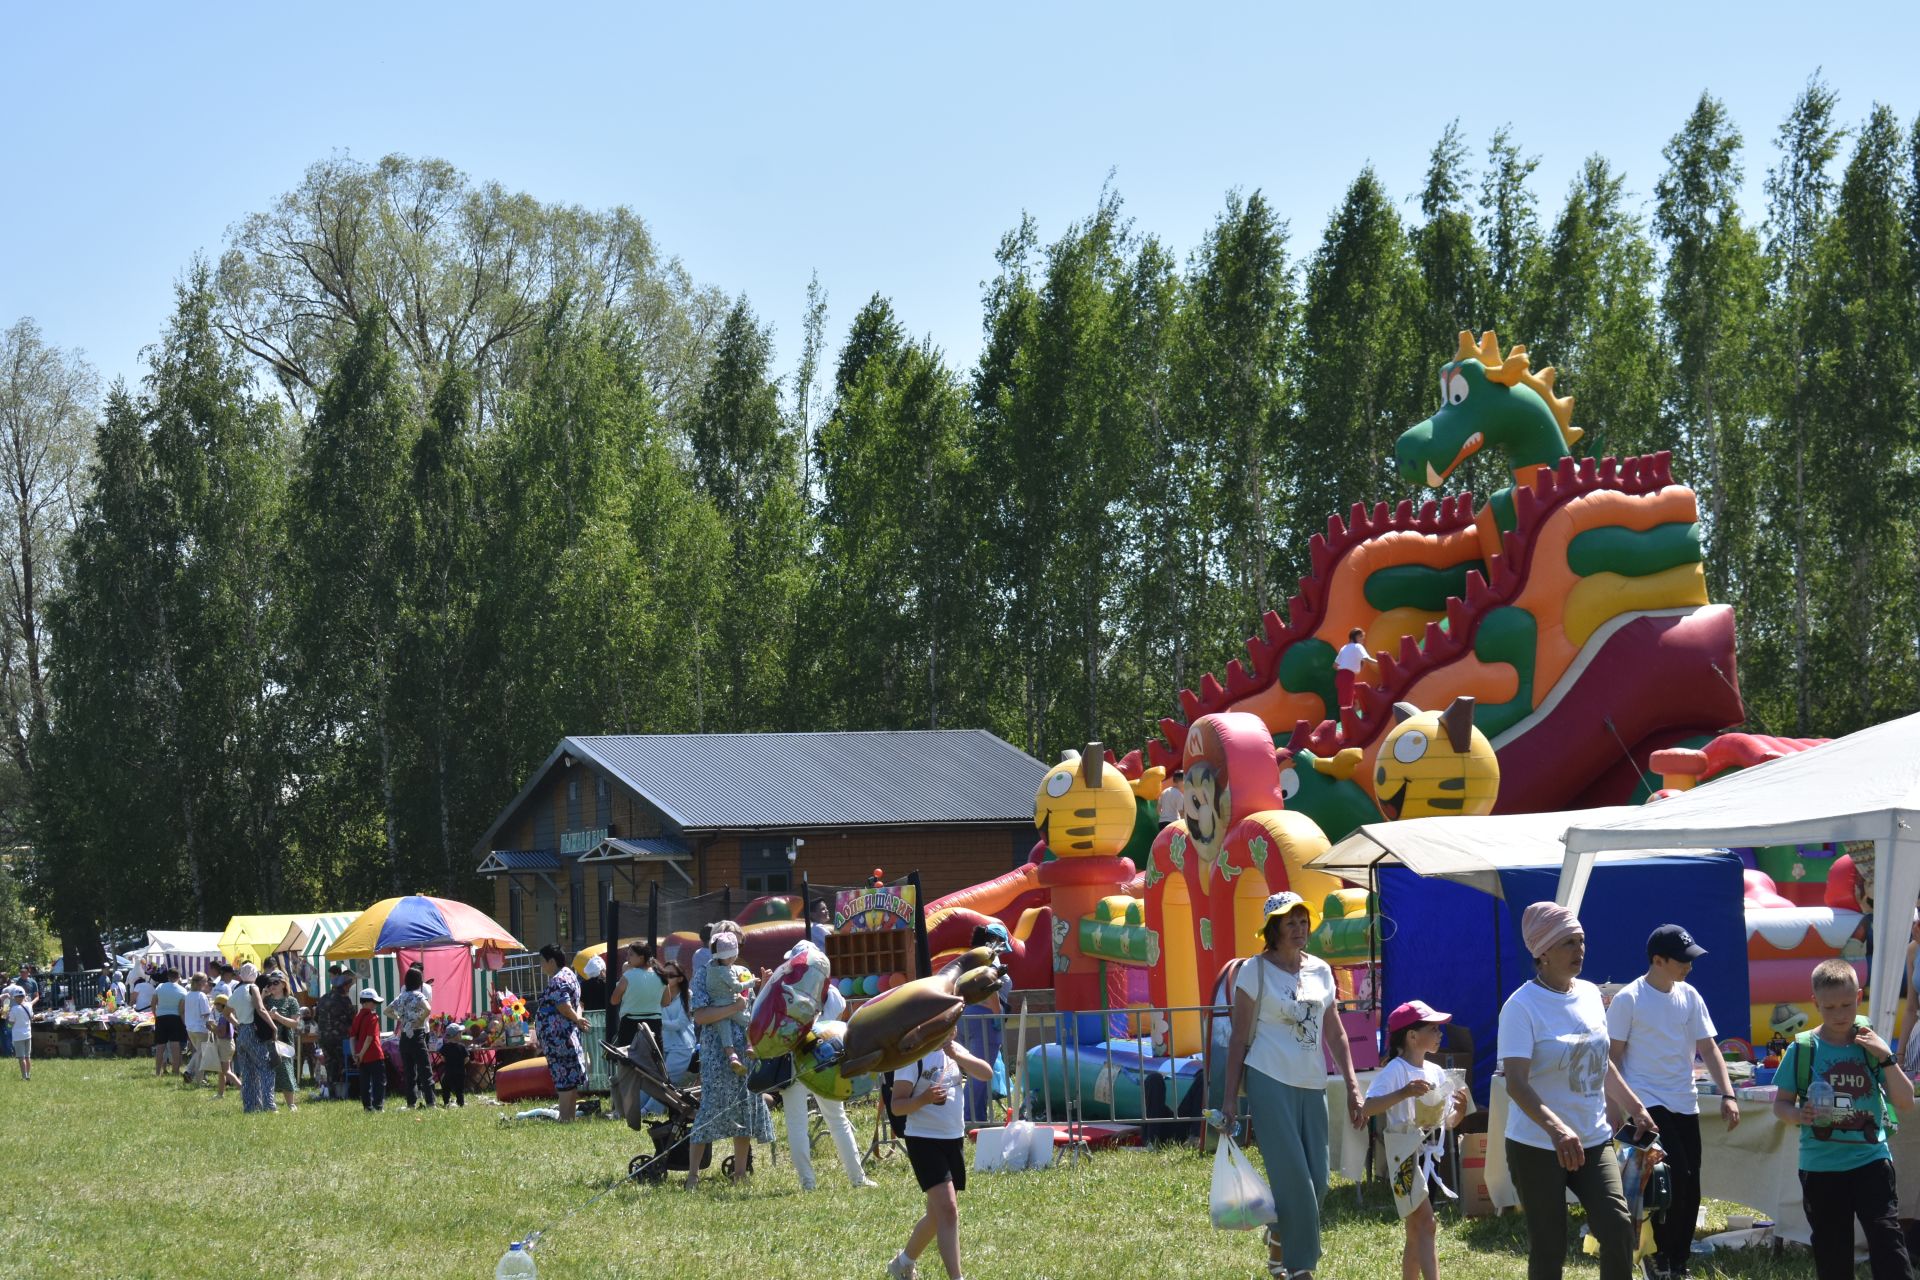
column 1241, row 1198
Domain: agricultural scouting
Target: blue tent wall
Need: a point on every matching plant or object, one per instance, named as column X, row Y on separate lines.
column 1460, row 950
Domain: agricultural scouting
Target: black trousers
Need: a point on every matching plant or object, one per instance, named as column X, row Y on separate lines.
column 453, row 1074
column 416, row 1069
column 1834, row 1200
column 1673, row 1234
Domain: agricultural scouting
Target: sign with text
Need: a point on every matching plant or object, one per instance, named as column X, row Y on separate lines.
column 874, row 910
column 578, row 842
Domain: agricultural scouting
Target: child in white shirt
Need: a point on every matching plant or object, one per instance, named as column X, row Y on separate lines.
column 20, row 1022
column 1408, row 1092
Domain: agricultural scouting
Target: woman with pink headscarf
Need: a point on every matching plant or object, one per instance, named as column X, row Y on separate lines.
column 1553, row 1047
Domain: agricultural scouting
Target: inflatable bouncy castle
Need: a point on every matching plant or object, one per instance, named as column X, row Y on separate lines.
column 1535, row 652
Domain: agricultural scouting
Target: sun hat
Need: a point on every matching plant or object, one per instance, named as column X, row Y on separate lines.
column 220, row 998
column 247, row 972
column 368, row 993
column 1281, row 903
column 1545, row 925
column 725, row 946
column 1412, row 1014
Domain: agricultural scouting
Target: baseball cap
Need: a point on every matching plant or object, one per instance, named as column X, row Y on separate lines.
column 1281, row 903
column 368, row 993
column 1412, row 1014
column 1674, row 943
column 221, row 998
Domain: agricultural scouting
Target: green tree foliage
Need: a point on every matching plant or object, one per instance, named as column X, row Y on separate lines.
column 745, row 459
column 1862, row 433
column 1361, row 372
column 1710, row 309
column 1590, row 310
column 893, row 605
column 1510, row 227
column 172, row 696
column 1800, row 192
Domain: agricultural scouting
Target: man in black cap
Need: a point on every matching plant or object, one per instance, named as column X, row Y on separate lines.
column 1657, row 1023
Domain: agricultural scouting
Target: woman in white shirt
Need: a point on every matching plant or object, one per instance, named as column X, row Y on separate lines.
column 1553, row 1048
column 1283, row 1011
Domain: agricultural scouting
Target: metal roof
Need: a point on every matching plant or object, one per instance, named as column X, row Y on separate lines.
column 500, row 860
column 639, row 849
column 715, row 781
column 788, row 781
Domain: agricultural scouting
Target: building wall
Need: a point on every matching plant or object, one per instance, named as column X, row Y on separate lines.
column 947, row 858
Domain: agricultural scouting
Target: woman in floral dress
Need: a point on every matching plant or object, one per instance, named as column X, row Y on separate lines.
column 727, row 1108
column 559, row 1022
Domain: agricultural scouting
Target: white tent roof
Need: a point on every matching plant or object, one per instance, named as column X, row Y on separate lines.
column 1467, row 850
column 1865, row 786
column 177, row 942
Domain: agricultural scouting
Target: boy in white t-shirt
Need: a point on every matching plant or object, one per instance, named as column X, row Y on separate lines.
column 1347, row 665
column 928, row 1094
column 1655, row 1026
column 1406, row 1092
column 20, row 1023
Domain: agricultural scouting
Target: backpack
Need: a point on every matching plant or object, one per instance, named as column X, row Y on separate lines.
column 895, row 1121
column 1803, row 1080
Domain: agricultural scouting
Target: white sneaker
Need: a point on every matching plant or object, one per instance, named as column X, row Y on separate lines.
column 902, row 1267
column 864, row 1183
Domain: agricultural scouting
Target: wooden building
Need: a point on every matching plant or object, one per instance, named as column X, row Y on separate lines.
column 693, row 813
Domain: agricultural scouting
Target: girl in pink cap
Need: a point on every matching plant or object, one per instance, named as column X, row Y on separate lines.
column 1408, row 1093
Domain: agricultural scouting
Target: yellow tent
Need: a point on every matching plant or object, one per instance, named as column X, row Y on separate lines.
column 254, row 938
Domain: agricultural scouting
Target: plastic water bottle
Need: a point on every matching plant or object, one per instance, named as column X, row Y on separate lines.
column 1820, row 1097
column 516, row 1263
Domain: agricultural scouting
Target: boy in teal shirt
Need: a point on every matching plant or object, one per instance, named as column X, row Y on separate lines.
column 1840, row 1099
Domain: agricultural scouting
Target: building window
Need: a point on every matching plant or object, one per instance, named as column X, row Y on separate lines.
column 759, row 882
column 573, row 789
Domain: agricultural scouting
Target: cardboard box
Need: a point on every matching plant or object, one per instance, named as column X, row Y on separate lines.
column 1474, row 1200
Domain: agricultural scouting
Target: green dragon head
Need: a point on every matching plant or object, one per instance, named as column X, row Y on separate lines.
column 1486, row 399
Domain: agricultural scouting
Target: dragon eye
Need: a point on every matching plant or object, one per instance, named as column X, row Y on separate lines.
column 1456, row 390
column 1059, row 784
column 1411, row 746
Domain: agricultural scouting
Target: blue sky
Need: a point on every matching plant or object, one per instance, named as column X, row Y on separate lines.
column 888, row 147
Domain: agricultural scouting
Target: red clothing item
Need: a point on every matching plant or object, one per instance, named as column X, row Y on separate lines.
column 366, row 1031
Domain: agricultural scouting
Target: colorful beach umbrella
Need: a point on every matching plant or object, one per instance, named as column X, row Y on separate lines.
column 419, row 921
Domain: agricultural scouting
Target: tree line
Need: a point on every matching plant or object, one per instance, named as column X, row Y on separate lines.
column 423, row 474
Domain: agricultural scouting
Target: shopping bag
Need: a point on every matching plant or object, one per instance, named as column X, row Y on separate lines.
column 1241, row 1198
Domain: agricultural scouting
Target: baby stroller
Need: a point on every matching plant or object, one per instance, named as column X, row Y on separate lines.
column 639, row 1072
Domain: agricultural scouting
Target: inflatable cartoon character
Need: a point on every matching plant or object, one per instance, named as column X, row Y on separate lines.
column 1435, row 762
column 895, row 1028
column 1086, row 810
column 1212, row 869
column 789, row 1002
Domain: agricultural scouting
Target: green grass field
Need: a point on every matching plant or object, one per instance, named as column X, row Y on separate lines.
column 112, row 1173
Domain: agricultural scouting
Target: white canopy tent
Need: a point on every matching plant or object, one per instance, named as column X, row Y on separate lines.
column 1865, row 786
column 1467, row 850
column 186, row 950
